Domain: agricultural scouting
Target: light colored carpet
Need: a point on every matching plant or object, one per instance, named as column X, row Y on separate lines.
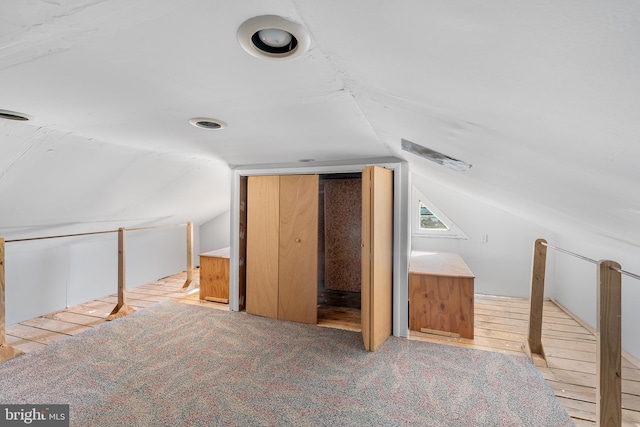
column 177, row 364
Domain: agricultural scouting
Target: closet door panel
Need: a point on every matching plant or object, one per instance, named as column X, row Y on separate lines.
column 298, row 252
column 263, row 220
column 242, row 258
column 377, row 255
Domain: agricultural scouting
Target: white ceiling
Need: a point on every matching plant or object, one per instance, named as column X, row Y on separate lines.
column 542, row 98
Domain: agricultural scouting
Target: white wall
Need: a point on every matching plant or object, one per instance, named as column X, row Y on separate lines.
column 44, row 277
column 502, row 266
column 216, row 234
column 576, row 287
column 93, row 271
column 36, row 276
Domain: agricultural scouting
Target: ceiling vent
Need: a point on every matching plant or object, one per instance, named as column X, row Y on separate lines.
column 434, row 156
column 273, row 37
column 207, row 123
column 12, row 115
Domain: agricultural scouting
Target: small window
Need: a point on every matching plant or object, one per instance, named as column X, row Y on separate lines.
column 429, row 220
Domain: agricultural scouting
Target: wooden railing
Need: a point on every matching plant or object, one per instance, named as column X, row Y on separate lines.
column 608, row 331
column 121, row 309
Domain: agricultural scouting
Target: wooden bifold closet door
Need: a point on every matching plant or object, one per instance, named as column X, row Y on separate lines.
column 282, row 247
column 377, row 255
column 298, row 273
column 263, row 237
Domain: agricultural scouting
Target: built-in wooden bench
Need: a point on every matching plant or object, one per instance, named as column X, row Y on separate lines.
column 440, row 294
column 214, row 276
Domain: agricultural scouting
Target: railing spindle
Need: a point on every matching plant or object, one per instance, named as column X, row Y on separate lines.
column 6, row 351
column 533, row 344
column 609, row 345
column 189, row 257
column 122, row 308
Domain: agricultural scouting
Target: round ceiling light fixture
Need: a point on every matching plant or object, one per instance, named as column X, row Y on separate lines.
column 273, row 37
column 12, row 115
column 207, row 123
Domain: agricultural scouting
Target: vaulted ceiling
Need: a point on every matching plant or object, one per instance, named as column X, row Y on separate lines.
column 542, row 98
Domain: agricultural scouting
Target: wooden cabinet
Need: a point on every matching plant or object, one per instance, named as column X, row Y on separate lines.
column 441, row 288
column 214, row 276
column 282, row 247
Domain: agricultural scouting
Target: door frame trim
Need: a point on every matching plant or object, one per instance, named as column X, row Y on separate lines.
column 401, row 221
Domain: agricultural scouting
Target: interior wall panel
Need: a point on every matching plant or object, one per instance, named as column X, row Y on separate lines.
column 343, row 233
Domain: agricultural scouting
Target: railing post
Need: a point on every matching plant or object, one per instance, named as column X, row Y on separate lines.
column 533, row 344
column 189, row 257
column 122, row 308
column 6, row 351
column 609, row 345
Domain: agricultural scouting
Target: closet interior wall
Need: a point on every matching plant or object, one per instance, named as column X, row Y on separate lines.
column 339, row 240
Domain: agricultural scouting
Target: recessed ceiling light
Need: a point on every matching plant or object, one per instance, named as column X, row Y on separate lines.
column 12, row 115
column 207, row 123
column 273, row 37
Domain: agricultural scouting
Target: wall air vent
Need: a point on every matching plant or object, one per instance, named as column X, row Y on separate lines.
column 434, row 156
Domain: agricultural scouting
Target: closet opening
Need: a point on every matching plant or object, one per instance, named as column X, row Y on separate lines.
column 339, row 250
column 284, row 235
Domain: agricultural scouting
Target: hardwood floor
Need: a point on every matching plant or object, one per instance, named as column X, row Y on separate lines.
column 500, row 325
column 339, row 318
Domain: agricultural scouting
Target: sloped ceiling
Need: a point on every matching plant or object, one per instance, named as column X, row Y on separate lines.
column 542, row 98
